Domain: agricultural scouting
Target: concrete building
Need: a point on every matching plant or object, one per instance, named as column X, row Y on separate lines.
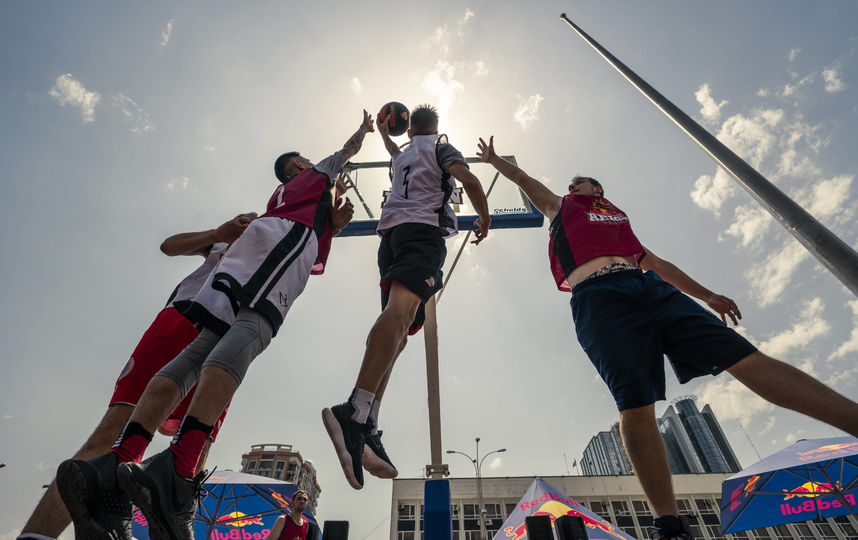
column 619, row 499
column 280, row 461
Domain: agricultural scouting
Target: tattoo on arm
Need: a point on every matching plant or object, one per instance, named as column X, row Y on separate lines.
column 353, row 145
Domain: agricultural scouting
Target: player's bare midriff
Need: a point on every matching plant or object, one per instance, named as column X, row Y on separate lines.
column 585, row 269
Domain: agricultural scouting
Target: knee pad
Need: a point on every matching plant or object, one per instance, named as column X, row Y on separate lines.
column 184, row 369
column 248, row 336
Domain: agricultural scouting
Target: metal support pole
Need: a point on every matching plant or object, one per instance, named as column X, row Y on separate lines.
column 840, row 259
column 436, row 469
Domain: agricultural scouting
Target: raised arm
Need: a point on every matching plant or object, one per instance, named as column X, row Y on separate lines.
column 543, row 198
column 474, row 189
column 725, row 307
column 199, row 243
column 354, row 143
column 384, row 130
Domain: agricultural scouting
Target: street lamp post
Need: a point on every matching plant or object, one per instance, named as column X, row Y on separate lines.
column 478, row 465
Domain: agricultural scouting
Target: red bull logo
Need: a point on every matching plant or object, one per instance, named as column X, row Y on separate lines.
column 555, row 509
column 240, row 534
column 828, row 450
column 743, row 491
column 139, row 518
column 239, row 519
column 810, row 489
column 284, row 502
column 816, row 505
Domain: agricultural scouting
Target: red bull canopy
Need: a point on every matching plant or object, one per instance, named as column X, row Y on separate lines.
column 543, row 499
column 813, row 478
column 236, row 506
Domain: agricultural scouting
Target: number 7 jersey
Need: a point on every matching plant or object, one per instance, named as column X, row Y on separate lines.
column 422, row 185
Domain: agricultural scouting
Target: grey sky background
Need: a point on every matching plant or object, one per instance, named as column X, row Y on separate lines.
column 125, row 123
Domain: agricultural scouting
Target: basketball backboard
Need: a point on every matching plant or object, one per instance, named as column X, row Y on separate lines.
column 369, row 183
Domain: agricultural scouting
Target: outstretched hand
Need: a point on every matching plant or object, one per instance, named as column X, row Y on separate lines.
column 725, row 307
column 367, row 122
column 341, row 214
column 481, row 230
column 343, row 184
column 486, row 152
column 232, row 229
column 383, row 126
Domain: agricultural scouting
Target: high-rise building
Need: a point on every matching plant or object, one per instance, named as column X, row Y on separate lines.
column 694, row 441
column 280, row 461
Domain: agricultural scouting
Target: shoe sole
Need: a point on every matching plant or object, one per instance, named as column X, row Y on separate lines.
column 75, row 489
column 376, row 466
column 144, row 493
column 335, row 432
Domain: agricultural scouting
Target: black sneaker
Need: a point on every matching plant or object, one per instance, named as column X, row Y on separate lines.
column 671, row 528
column 375, row 459
column 98, row 508
column 349, row 438
column 168, row 500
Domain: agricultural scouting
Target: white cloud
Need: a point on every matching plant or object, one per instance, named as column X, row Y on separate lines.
column 752, row 137
column 762, row 92
column 710, row 192
column 770, row 278
column 137, row 117
column 831, row 76
column 528, row 110
column 167, row 32
column 177, row 183
column 829, row 199
column 793, row 54
column 439, row 40
column 710, row 110
column 11, row 535
column 7, row 416
column 357, row 87
column 463, row 22
column 731, row 400
column 441, row 82
column 42, row 466
column 851, row 344
column 480, row 68
column 750, row 224
column 495, row 463
column 69, row 91
column 809, row 326
column 770, row 423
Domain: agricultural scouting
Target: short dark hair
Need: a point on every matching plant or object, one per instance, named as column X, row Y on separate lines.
column 593, row 182
column 282, row 163
column 424, row 120
column 300, row 492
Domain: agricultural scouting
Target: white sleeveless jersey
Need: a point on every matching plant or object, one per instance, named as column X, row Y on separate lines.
column 188, row 288
column 421, row 187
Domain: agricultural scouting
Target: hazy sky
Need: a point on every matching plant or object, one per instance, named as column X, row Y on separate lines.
column 123, row 123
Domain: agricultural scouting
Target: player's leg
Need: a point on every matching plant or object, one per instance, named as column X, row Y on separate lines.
column 50, row 518
column 375, row 459
column 789, row 387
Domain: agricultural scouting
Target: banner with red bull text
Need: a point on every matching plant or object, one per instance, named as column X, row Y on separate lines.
column 237, row 506
column 813, row 478
column 543, row 499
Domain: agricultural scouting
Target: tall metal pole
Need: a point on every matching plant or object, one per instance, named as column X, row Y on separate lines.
column 481, row 511
column 436, row 469
column 840, row 259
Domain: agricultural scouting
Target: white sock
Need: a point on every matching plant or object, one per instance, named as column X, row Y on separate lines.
column 33, row 536
column 373, row 415
column 362, row 400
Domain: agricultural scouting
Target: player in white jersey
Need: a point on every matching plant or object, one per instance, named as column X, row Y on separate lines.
column 414, row 222
column 171, row 331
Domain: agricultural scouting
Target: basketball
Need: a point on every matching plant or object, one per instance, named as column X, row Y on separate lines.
column 398, row 114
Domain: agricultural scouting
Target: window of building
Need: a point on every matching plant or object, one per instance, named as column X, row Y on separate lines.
column 705, row 506
column 510, row 508
column 848, row 530
column 631, row 531
column 251, row 467
column 406, row 511
column 278, row 469
column 472, row 511
column 684, row 506
column 621, row 508
column 493, row 511
column 804, row 531
column 781, row 531
column 715, row 532
column 826, row 531
column 695, row 531
column 266, row 465
column 761, row 534
column 738, row 535
column 641, row 508
column 406, row 535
